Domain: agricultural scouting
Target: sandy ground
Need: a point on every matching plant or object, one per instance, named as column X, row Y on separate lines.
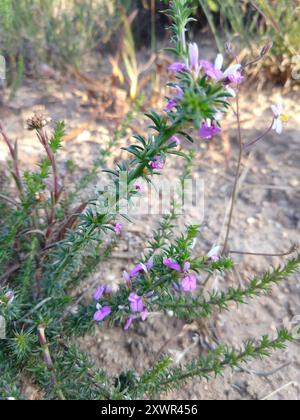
column 267, row 219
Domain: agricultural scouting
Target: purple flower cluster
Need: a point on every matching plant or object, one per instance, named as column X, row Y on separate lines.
column 137, row 304
column 189, row 281
column 232, row 75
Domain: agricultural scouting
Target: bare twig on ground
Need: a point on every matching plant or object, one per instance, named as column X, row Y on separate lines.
column 292, row 383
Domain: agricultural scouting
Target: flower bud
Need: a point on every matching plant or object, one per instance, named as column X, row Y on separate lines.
column 266, row 49
column 10, row 296
column 37, row 122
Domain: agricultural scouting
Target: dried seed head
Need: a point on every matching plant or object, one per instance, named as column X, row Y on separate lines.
column 37, row 122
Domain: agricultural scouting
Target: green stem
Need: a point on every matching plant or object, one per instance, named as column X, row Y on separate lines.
column 219, row 366
column 161, row 140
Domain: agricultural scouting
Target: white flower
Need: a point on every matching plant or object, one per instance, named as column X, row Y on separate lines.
column 194, row 57
column 230, row 71
column 280, row 118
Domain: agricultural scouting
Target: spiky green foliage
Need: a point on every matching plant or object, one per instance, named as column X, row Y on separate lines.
column 181, row 15
column 163, row 378
column 160, row 284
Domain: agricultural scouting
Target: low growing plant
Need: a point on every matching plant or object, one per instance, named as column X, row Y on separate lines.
column 50, row 243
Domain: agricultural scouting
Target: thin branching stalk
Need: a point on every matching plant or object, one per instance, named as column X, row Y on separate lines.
column 237, row 175
column 292, row 250
column 253, row 142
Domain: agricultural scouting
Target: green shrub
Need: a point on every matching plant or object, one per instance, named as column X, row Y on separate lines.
column 51, row 242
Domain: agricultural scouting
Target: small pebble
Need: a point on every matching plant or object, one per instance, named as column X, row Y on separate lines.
column 294, row 183
column 251, row 220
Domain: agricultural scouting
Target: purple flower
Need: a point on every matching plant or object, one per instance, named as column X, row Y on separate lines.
column 139, row 187
column 209, row 130
column 118, row 228
column 236, row 78
column 126, row 277
column 157, row 163
column 186, row 267
column 128, row 323
column 108, row 290
column 214, row 71
column 149, row 294
column 99, row 293
column 171, row 104
column 10, row 296
column 139, row 268
column 172, row 264
column 211, row 71
column 178, row 92
column 150, row 264
column 213, row 254
column 136, row 302
column 144, row 314
column 189, row 283
column 175, row 139
column 279, row 117
column 102, row 313
column 194, row 57
column 177, row 67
